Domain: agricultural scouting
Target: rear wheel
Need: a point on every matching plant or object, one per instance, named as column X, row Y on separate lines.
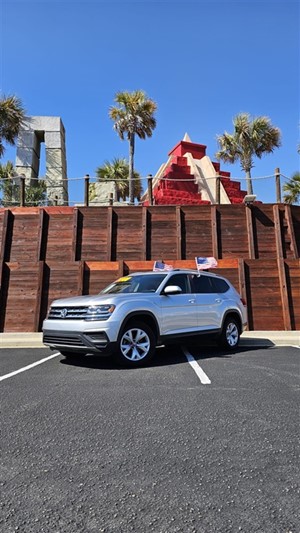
column 230, row 336
column 136, row 344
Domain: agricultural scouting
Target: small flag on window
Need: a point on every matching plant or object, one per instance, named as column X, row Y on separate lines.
column 160, row 266
column 205, row 262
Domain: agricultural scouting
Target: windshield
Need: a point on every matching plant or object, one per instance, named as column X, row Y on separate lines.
column 138, row 283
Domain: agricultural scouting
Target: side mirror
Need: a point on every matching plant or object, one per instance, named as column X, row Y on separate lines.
column 172, row 289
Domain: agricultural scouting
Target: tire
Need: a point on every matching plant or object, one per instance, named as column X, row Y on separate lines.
column 230, row 336
column 136, row 344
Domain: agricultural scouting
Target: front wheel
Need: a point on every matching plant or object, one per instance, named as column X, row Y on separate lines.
column 136, row 344
column 230, row 336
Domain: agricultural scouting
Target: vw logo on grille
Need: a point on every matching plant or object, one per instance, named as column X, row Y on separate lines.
column 64, row 313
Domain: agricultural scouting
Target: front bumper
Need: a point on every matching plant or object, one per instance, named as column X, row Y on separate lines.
column 88, row 342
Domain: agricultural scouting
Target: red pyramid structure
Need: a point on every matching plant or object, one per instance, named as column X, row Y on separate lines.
column 189, row 178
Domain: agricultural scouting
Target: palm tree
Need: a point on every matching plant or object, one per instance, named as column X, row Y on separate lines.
column 292, row 189
column 133, row 116
column 251, row 137
column 35, row 194
column 8, row 187
column 12, row 115
column 118, row 171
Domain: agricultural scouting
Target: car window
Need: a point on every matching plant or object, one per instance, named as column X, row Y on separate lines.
column 181, row 281
column 202, row 284
column 220, row 285
column 131, row 284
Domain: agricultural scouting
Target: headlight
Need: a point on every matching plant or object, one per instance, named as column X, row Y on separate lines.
column 99, row 312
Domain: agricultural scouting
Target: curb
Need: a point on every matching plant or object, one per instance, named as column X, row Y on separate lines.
column 21, row 340
column 270, row 338
column 248, row 338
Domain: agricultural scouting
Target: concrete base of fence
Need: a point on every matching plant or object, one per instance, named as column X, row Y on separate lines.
column 248, row 338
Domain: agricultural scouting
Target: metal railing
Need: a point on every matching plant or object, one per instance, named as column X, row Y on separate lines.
column 20, row 184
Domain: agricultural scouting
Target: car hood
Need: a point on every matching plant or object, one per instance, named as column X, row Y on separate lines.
column 98, row 299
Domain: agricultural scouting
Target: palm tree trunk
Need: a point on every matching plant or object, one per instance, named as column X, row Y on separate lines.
column 131, row 168
column 249, row 182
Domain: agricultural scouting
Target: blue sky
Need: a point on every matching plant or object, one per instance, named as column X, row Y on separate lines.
column 203, row 62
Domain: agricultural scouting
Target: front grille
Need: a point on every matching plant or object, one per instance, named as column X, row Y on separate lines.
column 64, row 340
column 68, row 313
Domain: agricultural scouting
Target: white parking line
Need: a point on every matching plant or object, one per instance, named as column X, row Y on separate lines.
column 200, row 373
column 28, row 367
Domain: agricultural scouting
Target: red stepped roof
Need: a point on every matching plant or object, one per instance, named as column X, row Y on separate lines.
column 177, row 185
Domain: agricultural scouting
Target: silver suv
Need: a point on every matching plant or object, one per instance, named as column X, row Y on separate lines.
column 138, row 312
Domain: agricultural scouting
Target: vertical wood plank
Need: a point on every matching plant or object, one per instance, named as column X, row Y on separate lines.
column 242, row 279
column 144, row 233
column 81, row 265
column 250, row 232
column 278, row 232
column 4, row 234
column 178, row 233
column 40, row 235
column 2, row 310
column 5, row 256
column 109, row 233
column 39, row 292
column 285, row 303
column 289, row 220
column 4, row 281
column 74, row 236
column 3, row 244
column 214, row 232
column 121, row 269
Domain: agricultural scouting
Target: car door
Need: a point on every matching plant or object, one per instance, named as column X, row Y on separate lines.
column 209, row 303
column 179, row 311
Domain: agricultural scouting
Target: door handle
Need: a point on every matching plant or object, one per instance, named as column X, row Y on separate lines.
column 191, row 301
column 218, row 301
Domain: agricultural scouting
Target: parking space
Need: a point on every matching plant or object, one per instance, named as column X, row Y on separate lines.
column 257, row 366
column 210, row 364
column 88, row 446
column 16, row 361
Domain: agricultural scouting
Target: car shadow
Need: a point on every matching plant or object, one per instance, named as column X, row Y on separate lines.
column 164, row 356
column 91, row 361
column 209, row 352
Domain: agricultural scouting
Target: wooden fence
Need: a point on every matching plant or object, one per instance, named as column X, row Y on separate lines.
column 53, row 252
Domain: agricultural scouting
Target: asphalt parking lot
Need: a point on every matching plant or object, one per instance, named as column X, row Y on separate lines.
column 199, row 442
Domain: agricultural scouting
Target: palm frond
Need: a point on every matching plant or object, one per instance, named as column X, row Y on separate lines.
column 134, row 114
column 251, row 137
column 12, row 116
column 292, row 189
column 118, row 171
